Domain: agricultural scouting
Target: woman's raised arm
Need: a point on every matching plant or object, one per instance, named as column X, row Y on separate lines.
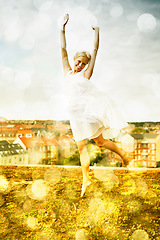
column 89, row 70
column 65, row 62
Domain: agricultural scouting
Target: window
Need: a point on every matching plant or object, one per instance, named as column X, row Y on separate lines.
column 28, row 135
column 144, row 163
column 20, row 135
column 153, row 146
column 145, row 145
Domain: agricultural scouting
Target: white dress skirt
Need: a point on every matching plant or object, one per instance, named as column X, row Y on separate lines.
column 91, row 111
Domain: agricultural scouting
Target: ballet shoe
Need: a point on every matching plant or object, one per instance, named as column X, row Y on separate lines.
column 84, row 186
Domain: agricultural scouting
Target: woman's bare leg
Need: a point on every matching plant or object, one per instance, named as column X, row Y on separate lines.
column 85, row 163
column 101, row 142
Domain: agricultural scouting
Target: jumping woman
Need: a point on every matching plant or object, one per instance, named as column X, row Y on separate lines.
column 91, row 112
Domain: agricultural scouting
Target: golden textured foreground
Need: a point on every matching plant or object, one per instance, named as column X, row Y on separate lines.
column 45, row 203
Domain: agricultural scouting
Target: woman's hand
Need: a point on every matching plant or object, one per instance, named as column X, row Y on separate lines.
column 65, row 20
column 95, row 28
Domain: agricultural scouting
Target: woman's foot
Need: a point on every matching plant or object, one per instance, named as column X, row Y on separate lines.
column 125, row 160
column 84, row 186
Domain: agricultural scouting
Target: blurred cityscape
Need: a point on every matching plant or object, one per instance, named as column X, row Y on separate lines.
column 48, row 142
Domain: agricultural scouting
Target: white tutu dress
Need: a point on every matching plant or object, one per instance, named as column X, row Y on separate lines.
column 91, row 111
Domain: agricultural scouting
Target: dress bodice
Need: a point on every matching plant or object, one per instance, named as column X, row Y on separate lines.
column 77, row 86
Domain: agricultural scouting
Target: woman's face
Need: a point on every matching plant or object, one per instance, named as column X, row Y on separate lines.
column 80, row 63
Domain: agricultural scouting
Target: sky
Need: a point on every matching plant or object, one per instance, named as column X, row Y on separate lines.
column 127, row 65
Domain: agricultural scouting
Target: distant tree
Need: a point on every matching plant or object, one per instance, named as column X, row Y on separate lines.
column 68, row 132
column 56, row 134
column 67, row 122
column 73, row 160
column 140, row 130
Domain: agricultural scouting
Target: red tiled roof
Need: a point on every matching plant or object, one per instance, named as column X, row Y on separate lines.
column 23, row 131
column 49, row 141
column 32, row 142
column 38, row 141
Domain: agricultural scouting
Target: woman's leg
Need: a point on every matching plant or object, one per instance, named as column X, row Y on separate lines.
column 85, row 163
column 101, row 142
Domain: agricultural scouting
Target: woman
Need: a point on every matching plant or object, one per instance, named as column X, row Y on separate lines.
column 91, row 112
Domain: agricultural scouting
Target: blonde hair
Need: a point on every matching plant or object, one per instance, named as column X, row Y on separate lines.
column 82, row 54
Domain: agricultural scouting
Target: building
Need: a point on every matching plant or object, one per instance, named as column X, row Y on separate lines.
column 24, row 133
column 12, row 154
column 144, row 149
column 41, row 150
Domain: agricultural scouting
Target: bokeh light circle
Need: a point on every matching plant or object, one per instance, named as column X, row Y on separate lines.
column 111, row 180
column 108, row 178
column 3, row 183
column 27, row 42
column 32, row 223
column 116, row 10
column 97, row 210
column 23, row 80
column 46, row 5
column 141, row 187
column 52, row 176
column 133, row 206
column 81, row 234
column 146, row 22
column 7, row 74
column 37, row 190
column 13, row 32
column 90, row 20
column 140, row 234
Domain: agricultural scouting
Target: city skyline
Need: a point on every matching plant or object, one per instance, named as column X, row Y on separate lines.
column 127, row 65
